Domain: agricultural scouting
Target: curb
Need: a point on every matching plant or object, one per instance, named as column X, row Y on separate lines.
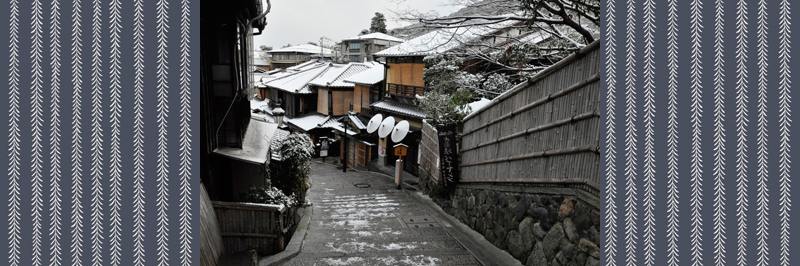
column 293, row 248
column 485, row 252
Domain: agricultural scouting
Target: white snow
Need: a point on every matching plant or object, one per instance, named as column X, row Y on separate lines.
column 369, row 77
column 375, row 35
column 303, row 48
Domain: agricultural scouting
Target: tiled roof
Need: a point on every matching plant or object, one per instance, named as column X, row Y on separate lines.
column 359, row 122
column 305, row 65
column 297, row 82
column 336, row 75
column 276, row 142
column 308, row 122
column 368, row 77
column 400, row 108
column 315, row 120
column 375, row 35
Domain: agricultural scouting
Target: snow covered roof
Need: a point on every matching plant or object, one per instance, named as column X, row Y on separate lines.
column 442, row 40
column 258, row 104
column 315, row 120
column 308, row 122
column 305, row 65
column 368, row 77
column 303, row 48
column 260, row 62
column 336, row 75
column 375, row 35
column 297, row 82
column 277, row 141
column 359, row 122
column 400, row 108
column 335, row 124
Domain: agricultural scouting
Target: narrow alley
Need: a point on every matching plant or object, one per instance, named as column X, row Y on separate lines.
column 360, row 218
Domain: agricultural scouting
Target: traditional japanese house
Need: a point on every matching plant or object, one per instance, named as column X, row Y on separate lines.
column 232, row 149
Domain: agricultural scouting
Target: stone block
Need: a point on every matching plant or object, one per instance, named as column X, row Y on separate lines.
column 515, row 246
column 537, row 257
column 526, row 232
column 538, row 213
column 566, row 208
column 589, row 247
column 470, row 202
column 582, row 216
column 569, row 250
column 553, row 240
column 538, row 231
column 520, row 210
column 580, row 259
column 569, row 230
column 592, row 262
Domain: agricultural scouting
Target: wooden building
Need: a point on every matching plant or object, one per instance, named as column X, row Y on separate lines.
column 231, row 155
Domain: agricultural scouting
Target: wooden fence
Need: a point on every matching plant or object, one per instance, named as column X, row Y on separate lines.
column 545, row 131
column 244, row 226
column 230, row 227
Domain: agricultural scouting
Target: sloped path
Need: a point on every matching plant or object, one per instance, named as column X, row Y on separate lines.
column 360, row 218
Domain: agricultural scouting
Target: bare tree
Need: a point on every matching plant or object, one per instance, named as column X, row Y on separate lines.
column 563, row 25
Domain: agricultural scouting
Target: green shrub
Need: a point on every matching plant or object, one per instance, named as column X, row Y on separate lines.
column 291, row 174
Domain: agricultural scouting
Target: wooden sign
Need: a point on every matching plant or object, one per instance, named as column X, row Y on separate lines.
column 448, row 155
column 400, row 150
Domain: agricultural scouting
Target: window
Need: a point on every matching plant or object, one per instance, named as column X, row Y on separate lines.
column 355, row 47
column 355, row 58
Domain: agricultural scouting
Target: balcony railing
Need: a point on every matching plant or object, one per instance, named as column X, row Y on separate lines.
column 405, row 90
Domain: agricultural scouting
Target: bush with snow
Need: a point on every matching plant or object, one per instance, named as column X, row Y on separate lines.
column 270, row 195
column 291, row 174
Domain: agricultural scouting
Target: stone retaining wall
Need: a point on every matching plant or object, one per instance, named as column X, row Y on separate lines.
column 538, row 226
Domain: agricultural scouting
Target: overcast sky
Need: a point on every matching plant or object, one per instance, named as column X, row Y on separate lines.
column 300, row 21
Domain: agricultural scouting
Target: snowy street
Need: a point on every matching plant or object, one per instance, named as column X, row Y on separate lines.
column 360, row 218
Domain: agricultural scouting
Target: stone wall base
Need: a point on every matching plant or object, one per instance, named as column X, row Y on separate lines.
column 536, row 225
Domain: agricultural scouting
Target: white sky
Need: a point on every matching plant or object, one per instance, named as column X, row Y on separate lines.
column 300, row 21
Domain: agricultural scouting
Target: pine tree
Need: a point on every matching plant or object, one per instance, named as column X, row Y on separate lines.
column 378, row 23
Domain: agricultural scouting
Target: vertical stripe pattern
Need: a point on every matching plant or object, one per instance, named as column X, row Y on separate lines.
column 78, row 112
column 726, row 72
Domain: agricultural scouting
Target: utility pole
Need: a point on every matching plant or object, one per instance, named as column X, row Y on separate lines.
column 344, row 140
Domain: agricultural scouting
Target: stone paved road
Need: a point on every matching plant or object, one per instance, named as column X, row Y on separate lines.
column 360, row 218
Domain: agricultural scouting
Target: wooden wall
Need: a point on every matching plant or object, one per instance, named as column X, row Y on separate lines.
column 360, row 97
column 341, row 102
column 546, row 130
column 322, row 101
column 406, row 74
